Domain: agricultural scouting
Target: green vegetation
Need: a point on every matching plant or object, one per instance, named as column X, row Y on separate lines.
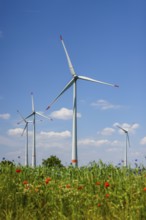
column 52, row 161
column 99, row 191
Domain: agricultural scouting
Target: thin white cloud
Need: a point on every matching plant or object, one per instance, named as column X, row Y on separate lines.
column 105, row 105
column 5, row 116
column 92, row 142
column 54, row 140
column 107, row 131
column 44, row 140
column 116, row 143
column 143, row 141
column 135, row 126
column 56, row 135
column 115, row 146
column 15, row 131
column 64, row 114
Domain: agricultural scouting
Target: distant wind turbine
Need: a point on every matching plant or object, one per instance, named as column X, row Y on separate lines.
column 73, row 82
column 25, row 128
column 34, row 113
column 127, row 143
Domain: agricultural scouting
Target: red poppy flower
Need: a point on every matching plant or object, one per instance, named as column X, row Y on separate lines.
column 99, row 205
column 18, row 171
column 47, row 180
column 106, row 184
column 144, row 188
column 25, row 182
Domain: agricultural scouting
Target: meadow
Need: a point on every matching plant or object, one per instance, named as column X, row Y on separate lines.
column 96, row 192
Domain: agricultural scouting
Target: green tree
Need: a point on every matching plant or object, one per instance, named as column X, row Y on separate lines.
column 52, row 161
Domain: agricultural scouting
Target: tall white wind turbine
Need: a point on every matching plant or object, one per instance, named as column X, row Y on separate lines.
column 25, row 128
column 73, row 82
column 127, row 143
column 33, row 114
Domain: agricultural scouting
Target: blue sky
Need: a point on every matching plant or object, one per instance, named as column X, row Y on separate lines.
column 106, row 41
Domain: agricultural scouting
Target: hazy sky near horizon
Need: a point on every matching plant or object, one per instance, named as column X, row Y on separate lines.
column 106, row 41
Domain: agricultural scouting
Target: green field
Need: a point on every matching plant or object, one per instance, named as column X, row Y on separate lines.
column 96, row 192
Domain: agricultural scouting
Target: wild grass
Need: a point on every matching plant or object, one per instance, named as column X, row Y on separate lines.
column 97, row 192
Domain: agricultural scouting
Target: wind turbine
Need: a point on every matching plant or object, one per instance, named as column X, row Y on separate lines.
column 73, row 82
column 25, row 128
column 127, row 143
column 34, row 113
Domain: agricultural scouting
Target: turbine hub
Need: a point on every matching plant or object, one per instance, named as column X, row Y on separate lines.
column 76, row 77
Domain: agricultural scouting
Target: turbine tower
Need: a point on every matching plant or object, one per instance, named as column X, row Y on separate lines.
column 127, row 143
column 33, row 114
column 73, row 82
column 25, row 128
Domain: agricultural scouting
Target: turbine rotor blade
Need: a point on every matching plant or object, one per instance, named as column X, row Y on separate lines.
column 122, row 129
column 30, row 115
column 44, row 116
column 128, row 139
column 32, row 98
column 21, row 117
column 24, row 129
column 68, row 58
column 65, row 88
column 96, row 81
column 19, row 122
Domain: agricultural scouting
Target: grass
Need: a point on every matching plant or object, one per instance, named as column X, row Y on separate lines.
column 96, row 192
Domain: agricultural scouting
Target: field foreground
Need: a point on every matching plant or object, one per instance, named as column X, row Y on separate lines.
column 101, row 192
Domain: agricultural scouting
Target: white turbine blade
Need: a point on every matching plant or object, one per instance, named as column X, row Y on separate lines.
column 43, row 116
column 23, row 119
column 19, row 122
column 68, row 58
column 96, row 81
column 128, row 139
column 32, row 98
column 122, row 129
column 30, row 115
column 65, row 88
column 24, row 129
